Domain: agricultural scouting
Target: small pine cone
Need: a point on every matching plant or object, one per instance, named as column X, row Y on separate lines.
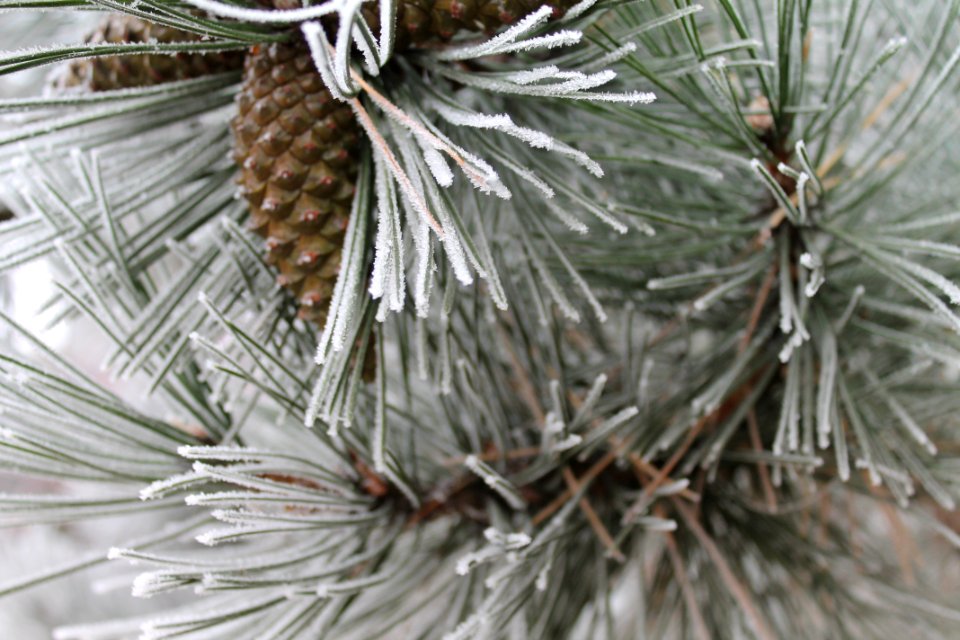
column 297, row 149
column 121, row 72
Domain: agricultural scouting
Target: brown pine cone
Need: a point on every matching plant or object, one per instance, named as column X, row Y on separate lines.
column 297, row 149
column 120, row 72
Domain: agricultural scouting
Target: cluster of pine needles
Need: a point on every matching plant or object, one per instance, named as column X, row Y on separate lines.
column 482, row 319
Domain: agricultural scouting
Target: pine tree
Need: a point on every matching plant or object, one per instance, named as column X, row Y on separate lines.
column 615, row 319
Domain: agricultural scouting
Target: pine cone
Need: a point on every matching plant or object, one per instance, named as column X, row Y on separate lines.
column 297, row 149
column 121, row 72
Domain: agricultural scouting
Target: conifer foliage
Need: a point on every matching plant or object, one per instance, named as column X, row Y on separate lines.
column 661, row 296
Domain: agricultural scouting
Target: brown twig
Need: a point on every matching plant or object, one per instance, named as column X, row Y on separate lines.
column 686, row 587
column 902, row 542
column 825, row 504
column 525, row 387
column 593, row 518
column 754, row 430
column 595, row 470
column 528, row 394
column 754, row 617
column 488, row 456
column 647, row 471
column 761, row 300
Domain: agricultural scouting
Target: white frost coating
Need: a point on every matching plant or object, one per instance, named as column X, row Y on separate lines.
column 577, row 279
column 315, row 36
column 644, row 383
column 575, row 89
column 530, row 177
column 590, row 401
column 386, row 156
column 472, row 559
column 894, row 45
column 612, row 57
column 606, row 215
column 579, row 9
column 466, row 629
column 388, row 10
column 481, row 174
column 584, row 81
column 356, row 585
column 371, row 56
column 348, row 286
column 651, row 523
column 230, row 454
column 801, row 191
column 115, row 553
column 450, row 237
column 710, row 173
column 508, row 541
column 160, row 488
column 613, row 423
column 789, row 171
column 214, row 537
column 672, row 487
column 502, row 42
column 504, row 123
column 910, row 425
column 499, row 122
column 552, row 286
column 567, row 218
column 438, row 166
column 425, row 268
column 340, row 307
column 347, row 14
column 565, row 38
column 796, row 339
column 536, row 74
column 786, row 303
column 541, row 582
column 553, row 423
column 810, row 261
column 495, row 481
column 267, row 15
column 567, row 443
column 151, row 583
column 828, row 372
column 580, row 158
column 948, row 287
column 897, row 475
column 384, row 242
column 774, row 188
